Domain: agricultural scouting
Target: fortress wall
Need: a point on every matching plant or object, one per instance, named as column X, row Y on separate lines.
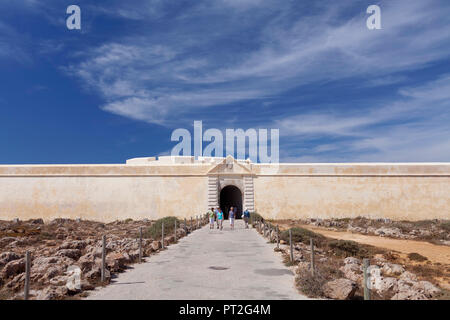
column 377, row 196
column 110, row 192
column 103, row 198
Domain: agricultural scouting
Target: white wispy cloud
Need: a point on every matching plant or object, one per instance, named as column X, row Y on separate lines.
column 150, row 78
column 414, row 127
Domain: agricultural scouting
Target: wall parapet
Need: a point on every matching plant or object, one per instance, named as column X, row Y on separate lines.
column 203, row 169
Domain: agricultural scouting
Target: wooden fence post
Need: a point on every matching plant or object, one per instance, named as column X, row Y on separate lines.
column 291, row 245
column 278, row 238
column 162, row 236
column 192, row 226
column 185, row 226
column 140, row 244
column 103, row 271
column 366, row 263
column 175, row 232
column 27, row 275
column 312, row 256
column 198, row 222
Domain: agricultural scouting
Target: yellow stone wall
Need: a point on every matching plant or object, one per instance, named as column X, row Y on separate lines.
column 101, row 198
column 156, row 189
column 394, row 197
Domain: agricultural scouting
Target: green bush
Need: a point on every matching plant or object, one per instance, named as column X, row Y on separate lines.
column 417, row 257
column 302, row 235
column 155, row 230
column 310, row 285
column 346, row 248
column 445, row 225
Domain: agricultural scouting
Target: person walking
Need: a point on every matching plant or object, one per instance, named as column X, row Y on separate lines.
column 231, row 216
column 246, row 216
column 211, row 216
column 219, row 219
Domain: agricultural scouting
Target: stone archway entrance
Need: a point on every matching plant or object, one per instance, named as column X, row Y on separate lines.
column 231, row 196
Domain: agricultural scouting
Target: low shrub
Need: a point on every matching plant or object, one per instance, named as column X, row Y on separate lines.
column 345, row 248
column 348, row 248
column 303, row 235
column 445, row 225
column 155, row 230
column 312, row 286
column 417, row 257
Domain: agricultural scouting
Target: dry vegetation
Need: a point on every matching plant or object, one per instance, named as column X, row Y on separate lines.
column 402, row 276
column 434, row 231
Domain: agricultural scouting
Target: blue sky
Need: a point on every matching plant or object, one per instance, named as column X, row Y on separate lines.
column 137, row 70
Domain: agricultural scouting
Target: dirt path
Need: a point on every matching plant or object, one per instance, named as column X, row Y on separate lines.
column 434, row 253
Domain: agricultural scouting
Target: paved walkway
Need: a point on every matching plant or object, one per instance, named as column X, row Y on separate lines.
column 208, row 264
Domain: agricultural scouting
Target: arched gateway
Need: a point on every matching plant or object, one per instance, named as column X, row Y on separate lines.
column 231, row 196
column 230, row 184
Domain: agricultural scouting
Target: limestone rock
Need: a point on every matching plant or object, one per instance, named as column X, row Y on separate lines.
column 409, row 295
column 408, row 277
column 70, row 253
column 341, row 289
column 95, row 273
column 384, row 285
column 8, row 256
column 352, row 260
column 86, row 262
column 156, row 245
column 351, row 228
column 58, row 280
column 426, row 288
column 352, row 272
column 116, row 261
column 73, row 245
column 391, row 232
column 13, row 268
column 37, row 221
column 17, row 282
column 390, row 269
column 6, row 240
column 52, row 293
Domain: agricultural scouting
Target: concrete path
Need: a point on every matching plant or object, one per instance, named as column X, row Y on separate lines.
column 208, row 264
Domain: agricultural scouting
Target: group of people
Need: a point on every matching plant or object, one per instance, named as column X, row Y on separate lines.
column 216, row 216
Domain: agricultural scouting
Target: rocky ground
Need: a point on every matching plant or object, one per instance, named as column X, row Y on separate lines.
column 434, row 231
column 339, row 271
column 61, row 248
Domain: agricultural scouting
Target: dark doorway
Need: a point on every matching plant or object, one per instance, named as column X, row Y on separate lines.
column 231, row 196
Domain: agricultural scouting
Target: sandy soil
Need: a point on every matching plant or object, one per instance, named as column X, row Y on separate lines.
column 434, row 253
